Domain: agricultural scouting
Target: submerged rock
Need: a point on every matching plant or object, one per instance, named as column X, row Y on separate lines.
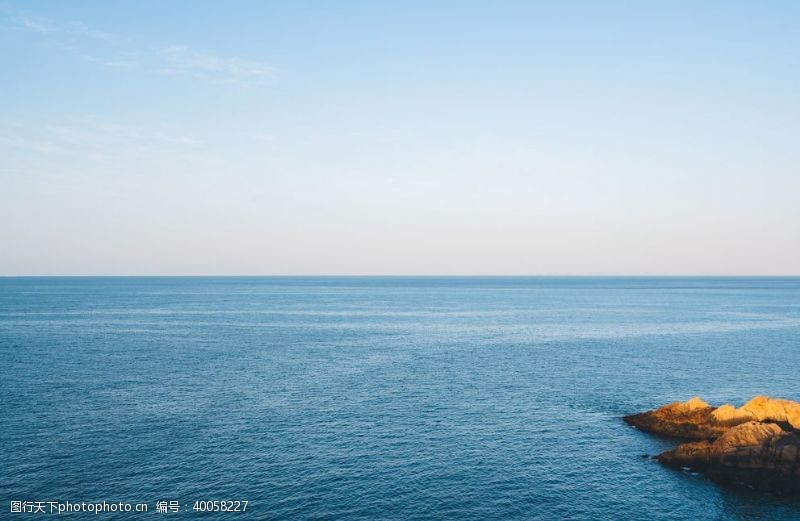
column 756, row 444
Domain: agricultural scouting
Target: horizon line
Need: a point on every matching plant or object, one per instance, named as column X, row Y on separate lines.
column 401, row 275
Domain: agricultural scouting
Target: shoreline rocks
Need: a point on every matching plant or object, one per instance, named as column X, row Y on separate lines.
column 690, row 420
column 757, row 445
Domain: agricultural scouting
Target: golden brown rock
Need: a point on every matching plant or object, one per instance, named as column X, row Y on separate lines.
column 730, row 415
column 690, row 420
column 694, row 454
column 759, row 454
column 757, row 444
column 764, row 408
column 750, row 434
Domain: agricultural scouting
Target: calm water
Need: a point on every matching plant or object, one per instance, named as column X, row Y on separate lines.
column 381, row 398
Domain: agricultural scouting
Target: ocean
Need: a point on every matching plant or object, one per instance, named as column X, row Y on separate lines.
column 380, row 397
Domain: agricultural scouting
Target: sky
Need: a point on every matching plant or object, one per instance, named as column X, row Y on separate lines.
column 399, row 138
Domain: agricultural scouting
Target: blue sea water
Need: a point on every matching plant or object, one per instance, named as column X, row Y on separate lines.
column 381, row 398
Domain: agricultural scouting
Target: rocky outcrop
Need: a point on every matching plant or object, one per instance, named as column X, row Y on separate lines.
column 761, row 455
column 763, row 409
column 730, row 415
column 757, row 444
column 691, row 420
column 766, row 409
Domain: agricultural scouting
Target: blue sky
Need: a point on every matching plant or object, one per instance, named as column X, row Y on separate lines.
column 399, row 138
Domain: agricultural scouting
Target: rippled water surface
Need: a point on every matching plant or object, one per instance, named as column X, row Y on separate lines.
column 381, row 398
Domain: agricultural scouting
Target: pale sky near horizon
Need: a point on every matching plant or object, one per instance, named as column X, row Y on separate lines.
column 457, row 137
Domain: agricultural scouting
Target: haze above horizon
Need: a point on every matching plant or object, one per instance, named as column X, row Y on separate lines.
column 445, row 138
